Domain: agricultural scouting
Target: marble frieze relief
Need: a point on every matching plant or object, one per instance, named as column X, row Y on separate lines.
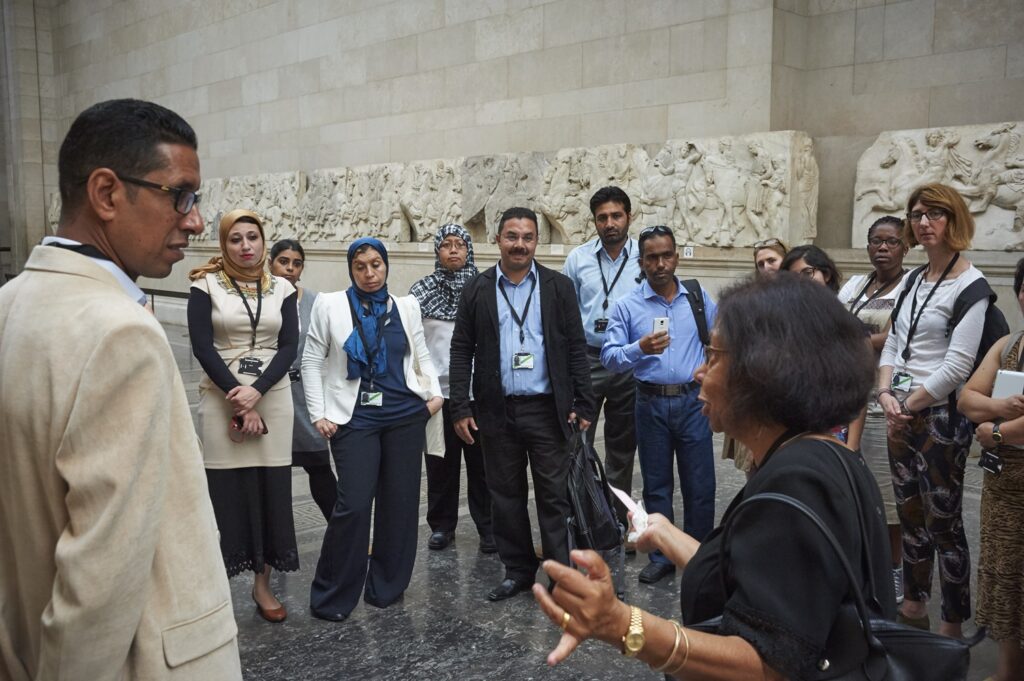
column 985, row 163
column 724, row 191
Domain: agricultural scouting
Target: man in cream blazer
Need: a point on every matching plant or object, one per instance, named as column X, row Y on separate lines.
column 111, row 567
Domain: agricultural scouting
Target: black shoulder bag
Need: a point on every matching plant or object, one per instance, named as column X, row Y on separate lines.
column 860, row 648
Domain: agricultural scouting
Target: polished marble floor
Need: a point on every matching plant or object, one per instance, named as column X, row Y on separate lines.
column 444, row 628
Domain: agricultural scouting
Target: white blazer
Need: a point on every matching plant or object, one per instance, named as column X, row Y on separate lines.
column 330, row 395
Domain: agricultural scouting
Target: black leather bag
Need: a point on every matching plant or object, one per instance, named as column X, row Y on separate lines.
column 860, row 648
column 592, row 522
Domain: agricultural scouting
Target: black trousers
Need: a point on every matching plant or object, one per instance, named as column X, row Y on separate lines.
column 381, row 464
column 618, row 394
column 443, row 478
column 531, row 435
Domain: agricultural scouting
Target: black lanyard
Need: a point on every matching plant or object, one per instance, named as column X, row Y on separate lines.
column 254, row 320
column 85, row 249
column 526, row 309
column 371, row 354
column 913, row 308
column 877, row 293
column 604, row 284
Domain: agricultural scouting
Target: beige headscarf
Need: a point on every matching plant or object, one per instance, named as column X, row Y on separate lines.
column 221, row 263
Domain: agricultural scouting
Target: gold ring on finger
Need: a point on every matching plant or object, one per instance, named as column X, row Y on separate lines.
column 566, row 617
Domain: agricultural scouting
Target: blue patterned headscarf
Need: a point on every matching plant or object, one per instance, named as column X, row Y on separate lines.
column 438, row 293
column 371, row 310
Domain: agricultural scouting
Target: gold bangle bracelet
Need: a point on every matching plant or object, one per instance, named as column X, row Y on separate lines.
column 686, row 654
column 675, row 647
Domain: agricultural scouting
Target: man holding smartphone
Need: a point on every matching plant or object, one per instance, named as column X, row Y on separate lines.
column 658, row 331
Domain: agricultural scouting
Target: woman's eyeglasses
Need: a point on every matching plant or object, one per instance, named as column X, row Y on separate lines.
column 932, row 214
column 891, row 242
column 807, row 272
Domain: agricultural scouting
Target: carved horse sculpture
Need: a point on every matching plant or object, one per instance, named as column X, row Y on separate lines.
column 896, row 175
column 999, row 179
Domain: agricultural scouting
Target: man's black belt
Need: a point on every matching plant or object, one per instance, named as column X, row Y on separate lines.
column 529, row 398
column 663, row 390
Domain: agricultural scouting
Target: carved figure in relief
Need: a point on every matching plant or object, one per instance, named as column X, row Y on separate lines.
column 940, row 161
column 999, row 179
column 896, row 175
column 807, row 184
column 565, row 184
column 323, row 207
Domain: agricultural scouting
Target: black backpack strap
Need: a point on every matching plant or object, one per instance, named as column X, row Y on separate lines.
column 978, row 289
column 696, row 298
column 911, row 278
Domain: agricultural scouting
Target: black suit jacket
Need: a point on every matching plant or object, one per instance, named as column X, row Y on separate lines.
column 476, row 350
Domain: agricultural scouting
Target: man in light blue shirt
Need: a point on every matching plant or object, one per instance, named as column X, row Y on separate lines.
column 603, row 270
column 658, row 331
column 520, row 334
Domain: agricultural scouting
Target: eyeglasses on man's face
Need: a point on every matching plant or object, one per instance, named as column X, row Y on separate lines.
column 891, row 242
column 184, row 199
column 932, row 214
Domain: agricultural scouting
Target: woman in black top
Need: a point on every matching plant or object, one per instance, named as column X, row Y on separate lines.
column 785, row 362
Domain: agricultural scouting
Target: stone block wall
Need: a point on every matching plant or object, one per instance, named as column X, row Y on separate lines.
column 847, row 70
column 298, row 85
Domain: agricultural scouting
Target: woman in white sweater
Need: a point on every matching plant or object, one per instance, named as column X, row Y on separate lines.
column 370, row 388
column 920, row 367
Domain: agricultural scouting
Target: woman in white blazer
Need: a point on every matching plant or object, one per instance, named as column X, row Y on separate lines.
column 370, row 389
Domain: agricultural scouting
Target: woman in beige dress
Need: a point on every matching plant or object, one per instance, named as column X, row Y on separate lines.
column 244, row 330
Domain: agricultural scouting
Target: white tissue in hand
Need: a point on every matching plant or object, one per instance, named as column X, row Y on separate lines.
column 639, row 520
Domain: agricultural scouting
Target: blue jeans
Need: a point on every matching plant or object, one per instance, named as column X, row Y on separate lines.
column 673, row 429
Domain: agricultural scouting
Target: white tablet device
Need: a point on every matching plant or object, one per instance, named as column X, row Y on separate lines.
column 1008, row 383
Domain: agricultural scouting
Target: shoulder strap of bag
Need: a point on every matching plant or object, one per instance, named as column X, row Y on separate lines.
column 907, row 286
column 876, row 665
column 834, row 448
column 696, row 298
column 978, row 289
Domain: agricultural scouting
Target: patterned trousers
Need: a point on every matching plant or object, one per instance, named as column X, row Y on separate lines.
column 927, row 462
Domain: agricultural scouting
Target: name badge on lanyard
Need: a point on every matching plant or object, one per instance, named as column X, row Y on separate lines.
column 250, row 365
column 521, row 361
column 371, row 398
column 601, row 325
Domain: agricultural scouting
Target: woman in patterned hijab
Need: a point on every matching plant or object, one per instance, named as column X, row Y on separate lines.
column 439, row 291
column 438, row 294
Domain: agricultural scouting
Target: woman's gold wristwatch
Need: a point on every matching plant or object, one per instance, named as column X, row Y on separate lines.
column 633, row 641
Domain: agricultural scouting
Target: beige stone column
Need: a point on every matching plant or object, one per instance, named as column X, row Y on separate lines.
column 28, row 100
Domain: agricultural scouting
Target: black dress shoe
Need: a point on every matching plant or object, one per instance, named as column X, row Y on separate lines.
column 508, row 588
column 487, row 545
column 440, row 540
column 655, row 572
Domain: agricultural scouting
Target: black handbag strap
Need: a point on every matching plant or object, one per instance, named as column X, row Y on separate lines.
column 875, row 648
column 860, row 522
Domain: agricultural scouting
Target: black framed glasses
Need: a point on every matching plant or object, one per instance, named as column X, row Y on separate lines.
column 657, row 230
column 891, row 242
column 184, row 199
column 932, row 214
column 807, row 271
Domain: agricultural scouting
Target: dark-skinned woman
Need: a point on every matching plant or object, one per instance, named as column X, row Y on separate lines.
column 370, row 389
column 871, row 297
column 786, row 361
